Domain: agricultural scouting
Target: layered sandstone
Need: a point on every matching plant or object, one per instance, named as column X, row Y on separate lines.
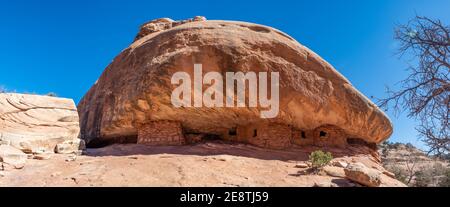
column 317, row 104
column 35, row 123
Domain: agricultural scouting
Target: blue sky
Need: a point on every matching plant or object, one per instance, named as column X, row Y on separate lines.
column 63, row 46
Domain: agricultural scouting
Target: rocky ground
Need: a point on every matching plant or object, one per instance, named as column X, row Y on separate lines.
column 204, row 164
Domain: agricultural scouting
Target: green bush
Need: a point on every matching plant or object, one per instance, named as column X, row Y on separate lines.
column 319, row 159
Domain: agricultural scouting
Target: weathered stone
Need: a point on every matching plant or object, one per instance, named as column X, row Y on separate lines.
column 28, row 122
column 12, row 157
column 25, row 146
column 42, row 156
column 70, row 146
column 339, row 163
column 194, row 138
column 334, row 171
column 301, row 165
column 71, row 158
column 199, row 19
column 390, row 174
column 323, row 184
column 359, row 173
column 136, row 88
column 161, row 133
column 5, row 142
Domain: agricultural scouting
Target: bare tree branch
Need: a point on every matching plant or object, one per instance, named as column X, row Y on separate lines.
column 425, row 93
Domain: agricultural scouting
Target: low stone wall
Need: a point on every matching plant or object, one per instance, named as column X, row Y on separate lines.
column 302, row 137
column 272, row 136
column 326, row 135
column 161, row 133
column 265, row 135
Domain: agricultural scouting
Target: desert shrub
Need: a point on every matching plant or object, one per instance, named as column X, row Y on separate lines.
column 445, row 182
column 399, row 173
column 410, row 146
column 320, row 159
column 446, row 157
column 52, row 94
column 423, row 178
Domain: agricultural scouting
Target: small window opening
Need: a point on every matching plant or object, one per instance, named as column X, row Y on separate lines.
column 233, row 131
column 255, row 133
column 323, row 134
column 303, row 134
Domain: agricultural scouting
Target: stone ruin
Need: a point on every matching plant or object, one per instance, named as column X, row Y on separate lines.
column 318, row 106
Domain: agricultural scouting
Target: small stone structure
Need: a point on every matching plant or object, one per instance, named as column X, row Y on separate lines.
column 161, row 133
column 326, row 135
column 273, row 136
column 265, row 135
column 281, row 136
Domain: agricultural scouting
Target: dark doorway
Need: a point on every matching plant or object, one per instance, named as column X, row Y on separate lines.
column 303, row 135
column 233, row 131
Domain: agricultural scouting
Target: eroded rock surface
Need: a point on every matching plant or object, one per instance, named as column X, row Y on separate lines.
column 204, row 164
column 359, row 173
column 11, row 158
column 35, row 123
column 135, row 88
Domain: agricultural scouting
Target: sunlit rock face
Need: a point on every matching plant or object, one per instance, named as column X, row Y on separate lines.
column 135, row 89
column 36, row 123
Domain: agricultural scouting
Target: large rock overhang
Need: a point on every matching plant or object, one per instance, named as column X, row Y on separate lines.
column 135, row 88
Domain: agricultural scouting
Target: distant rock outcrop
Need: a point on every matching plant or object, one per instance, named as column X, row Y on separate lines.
column 413, row 166
column 34, row 123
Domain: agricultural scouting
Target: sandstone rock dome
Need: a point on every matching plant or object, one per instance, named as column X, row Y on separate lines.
column 318, row 105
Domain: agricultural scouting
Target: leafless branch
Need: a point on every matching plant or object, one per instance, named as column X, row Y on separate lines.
column 425, row 93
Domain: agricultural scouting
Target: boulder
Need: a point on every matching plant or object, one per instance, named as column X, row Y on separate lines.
column 70, row 147
column 31, row 122
column 136, row 87
column 339, row 163
column 12, row 157
column 302, row 165
column 361, row 174
column 334, row 171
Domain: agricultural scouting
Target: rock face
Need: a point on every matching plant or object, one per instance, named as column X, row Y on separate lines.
column 37, row 123
column 318, row 106
column 70, row 146
column 11, row 157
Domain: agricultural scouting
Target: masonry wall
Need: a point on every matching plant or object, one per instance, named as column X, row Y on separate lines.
column 265, row 135
column 302, row 137
column 161, row 133
column 272, row 136
column 333, row 136
column 327, row 135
